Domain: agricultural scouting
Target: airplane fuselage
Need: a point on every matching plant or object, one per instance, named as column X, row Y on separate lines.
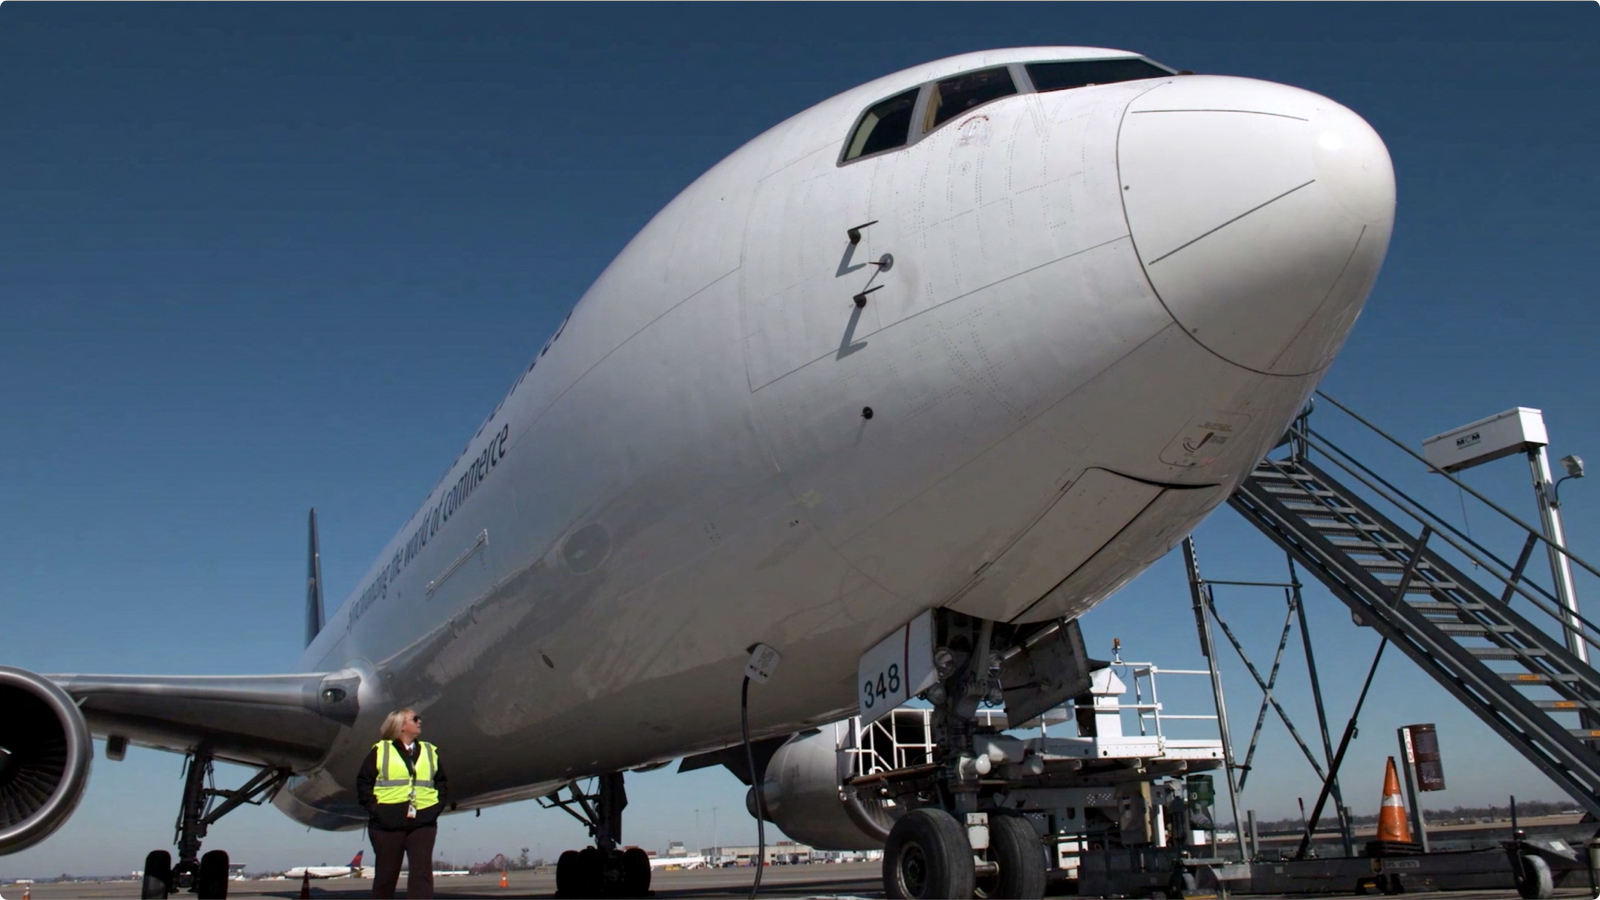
column 1103, row 306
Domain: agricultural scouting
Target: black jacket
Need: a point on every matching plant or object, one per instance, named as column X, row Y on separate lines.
column 392, row 816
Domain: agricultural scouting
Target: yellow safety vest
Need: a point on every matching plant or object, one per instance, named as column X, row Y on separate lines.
column 396, row 782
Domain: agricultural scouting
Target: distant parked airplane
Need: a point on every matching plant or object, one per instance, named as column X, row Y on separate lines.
column 681, row 862
column 354, row 869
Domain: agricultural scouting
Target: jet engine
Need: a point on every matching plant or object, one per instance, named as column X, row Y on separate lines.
column 45, row 750
column 803, row 793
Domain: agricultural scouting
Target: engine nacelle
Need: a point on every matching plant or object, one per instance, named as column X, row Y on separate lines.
column 45, row 750
column 803, row 795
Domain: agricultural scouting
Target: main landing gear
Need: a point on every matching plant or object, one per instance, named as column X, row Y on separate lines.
column 959, row 839
column 603, row 870
column 206, row 875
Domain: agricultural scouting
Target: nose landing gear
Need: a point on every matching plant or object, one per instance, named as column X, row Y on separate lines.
column 960, row 839
column 928, row 856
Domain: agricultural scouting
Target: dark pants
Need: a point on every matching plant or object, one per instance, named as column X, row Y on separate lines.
column 416, row 846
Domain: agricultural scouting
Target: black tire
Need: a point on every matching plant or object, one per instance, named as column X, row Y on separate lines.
column 1536, row 883
column 927, row 857
column 1182, row 883
column 590, row 872
column 157, row 876
column 635, row 873
column 1016, row 847
column 567, row 874
column 212, row 882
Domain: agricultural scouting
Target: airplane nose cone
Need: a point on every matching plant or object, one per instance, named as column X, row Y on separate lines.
column 1261, row 214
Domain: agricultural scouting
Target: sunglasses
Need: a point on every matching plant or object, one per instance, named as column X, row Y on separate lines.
column 417, row 719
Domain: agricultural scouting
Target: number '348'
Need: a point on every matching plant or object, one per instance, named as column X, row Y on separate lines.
column 888, row 682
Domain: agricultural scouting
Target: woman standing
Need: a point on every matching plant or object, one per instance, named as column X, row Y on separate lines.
column 402, row 786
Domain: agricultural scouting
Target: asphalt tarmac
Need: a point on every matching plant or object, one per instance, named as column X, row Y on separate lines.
column 845, row 879
column 822, row 881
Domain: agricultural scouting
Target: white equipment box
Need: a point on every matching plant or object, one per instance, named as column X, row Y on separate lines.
column 1513, row 431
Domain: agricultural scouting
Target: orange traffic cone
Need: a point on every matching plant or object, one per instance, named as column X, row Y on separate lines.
column 503, row 878
column 27, row 892
column 1392, row 822
column 305, row 886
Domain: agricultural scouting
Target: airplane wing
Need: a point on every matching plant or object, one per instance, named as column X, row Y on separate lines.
column 280, row 721
column 279, row 724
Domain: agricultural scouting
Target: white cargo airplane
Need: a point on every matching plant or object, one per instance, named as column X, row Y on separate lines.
column 353, row 870
column 987, row 336
column 678, row 862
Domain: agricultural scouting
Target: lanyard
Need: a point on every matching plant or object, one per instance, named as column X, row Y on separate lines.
column 411, row 767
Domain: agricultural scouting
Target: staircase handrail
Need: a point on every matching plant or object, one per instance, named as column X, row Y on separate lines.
column 1462, row 485
column 1444, row 530
column 1389, row 491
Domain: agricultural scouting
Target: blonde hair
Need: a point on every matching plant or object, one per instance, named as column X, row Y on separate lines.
column 392, row 723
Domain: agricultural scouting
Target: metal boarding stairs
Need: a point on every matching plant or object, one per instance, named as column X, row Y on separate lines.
column 1513, row 674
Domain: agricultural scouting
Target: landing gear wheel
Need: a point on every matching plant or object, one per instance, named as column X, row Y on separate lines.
column 157, row 876
column 212, row 883
column 1017, row 849
column 927, row 857
column 1535, row 883
column 567, row 874
column 591, row 873
column 635, row 873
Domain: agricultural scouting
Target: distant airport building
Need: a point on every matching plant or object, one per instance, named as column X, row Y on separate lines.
column 781, row 853
column 785, row 853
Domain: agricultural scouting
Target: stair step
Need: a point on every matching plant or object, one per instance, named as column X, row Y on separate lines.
column 1359, row 545
column 1345, row 526
column 1531, row 678
column 1474, row 628
column 1440, row 606
column 1269, row 472
column 1307, row 506
column 1585, row 733
column 1297, row 490
column 1419, row 586
column 1507, row 652
column 1392, row 583
column 1373, row 551
column 1392, row 565
column 1558, row 705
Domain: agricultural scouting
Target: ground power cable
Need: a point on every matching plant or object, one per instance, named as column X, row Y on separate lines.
column 755, row 785
column 763, row 662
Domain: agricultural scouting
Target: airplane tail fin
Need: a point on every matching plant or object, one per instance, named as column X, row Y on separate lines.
column 355, row 862
column 313, row 585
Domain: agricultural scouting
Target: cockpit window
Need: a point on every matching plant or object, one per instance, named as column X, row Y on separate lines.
column 1059, row 76
column 954, row 96
column 884, row 127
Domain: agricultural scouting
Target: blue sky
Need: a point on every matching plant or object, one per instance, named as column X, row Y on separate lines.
column 259, row 258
